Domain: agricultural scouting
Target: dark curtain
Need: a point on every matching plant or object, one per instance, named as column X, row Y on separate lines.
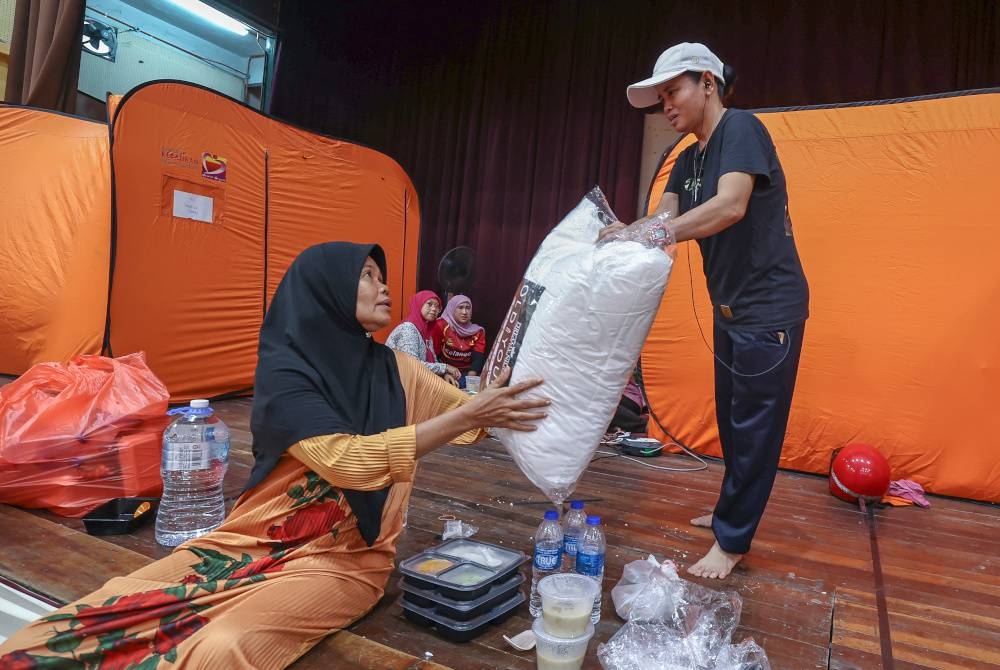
column 45, row 54
column 505, row 114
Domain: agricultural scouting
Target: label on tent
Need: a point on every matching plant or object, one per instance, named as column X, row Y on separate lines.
column 179, row 456
column 192, row 206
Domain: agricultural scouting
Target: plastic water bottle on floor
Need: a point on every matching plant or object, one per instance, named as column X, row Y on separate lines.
column 590, row 560
column 195, row 457
column 573, row 527
column 547, row 556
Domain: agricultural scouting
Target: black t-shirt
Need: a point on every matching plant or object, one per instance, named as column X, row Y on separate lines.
column 754, row 275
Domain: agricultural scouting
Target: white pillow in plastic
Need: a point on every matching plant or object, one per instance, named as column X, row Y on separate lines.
column 578, row 320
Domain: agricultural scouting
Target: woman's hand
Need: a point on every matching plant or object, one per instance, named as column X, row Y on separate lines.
column 452, row 371
column 497, row 406
column 500, row 406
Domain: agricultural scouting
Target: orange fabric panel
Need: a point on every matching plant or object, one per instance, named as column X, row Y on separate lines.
column 188, row 291
column 897, row 233
column 213, row 201
column 324, row 189
column 55, row 237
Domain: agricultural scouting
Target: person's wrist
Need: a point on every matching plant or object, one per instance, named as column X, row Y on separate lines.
column 468, row 417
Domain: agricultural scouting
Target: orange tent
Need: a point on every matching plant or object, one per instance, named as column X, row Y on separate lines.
column 897, row 230
column 213, row 200
column 55, row 237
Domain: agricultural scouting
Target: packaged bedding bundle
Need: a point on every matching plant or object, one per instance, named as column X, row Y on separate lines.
column 579, row 319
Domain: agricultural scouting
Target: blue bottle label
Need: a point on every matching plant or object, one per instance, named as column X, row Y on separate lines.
column 570, row 543
column 589, row 564
column 548, row 559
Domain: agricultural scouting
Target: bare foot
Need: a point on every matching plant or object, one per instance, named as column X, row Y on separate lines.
column 716, row 564
column 704, row 521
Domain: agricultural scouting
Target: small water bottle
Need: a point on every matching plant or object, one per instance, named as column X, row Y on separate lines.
column 547, row 556
column 590, row 560
column 195, row 456
column 573, row 527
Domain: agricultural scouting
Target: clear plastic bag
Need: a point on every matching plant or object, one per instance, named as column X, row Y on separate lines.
column 651, row 231
column 456, row 528
column 75, row 435
column 578, row 320
column 674, row 624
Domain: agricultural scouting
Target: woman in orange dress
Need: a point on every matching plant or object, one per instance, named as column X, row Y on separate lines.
column 338, row 422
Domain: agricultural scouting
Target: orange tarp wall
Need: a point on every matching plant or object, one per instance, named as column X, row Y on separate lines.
column 55, row 186
column 212, row 202
column 896, row 222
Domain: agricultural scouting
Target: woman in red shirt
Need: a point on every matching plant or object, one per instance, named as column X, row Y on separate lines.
column 458, row 341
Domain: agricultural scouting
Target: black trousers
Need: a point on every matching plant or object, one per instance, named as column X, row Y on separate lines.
column 752, row 411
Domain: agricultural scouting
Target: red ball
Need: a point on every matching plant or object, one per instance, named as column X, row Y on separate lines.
column 859, row 471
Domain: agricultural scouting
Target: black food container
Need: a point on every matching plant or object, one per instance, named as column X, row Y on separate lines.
column 461, row 631
column 462, row 610
column 120, row 516
column 461, row 569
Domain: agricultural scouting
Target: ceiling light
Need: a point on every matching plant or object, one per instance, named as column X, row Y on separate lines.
column 213, row 16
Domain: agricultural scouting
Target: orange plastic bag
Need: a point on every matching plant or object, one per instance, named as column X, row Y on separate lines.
column 75, row 435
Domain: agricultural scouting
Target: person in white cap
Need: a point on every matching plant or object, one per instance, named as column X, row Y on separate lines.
column 727, row 191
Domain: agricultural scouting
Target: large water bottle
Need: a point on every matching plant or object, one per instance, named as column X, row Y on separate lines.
column 590, row 560
column 573, row 527
column 195, row 456
column 547, row 556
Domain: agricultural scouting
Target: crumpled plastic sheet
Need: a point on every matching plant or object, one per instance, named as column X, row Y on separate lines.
column 456, row 528
column 674, row 624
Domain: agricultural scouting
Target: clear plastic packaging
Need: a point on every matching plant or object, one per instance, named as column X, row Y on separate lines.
column 578, row 320
column 674, row 624
column 651, row 231
column 456, row 528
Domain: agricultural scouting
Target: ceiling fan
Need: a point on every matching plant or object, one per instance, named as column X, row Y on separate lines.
column 99, row 39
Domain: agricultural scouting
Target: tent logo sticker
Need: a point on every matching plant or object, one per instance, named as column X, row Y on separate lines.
column 178, row 157
column 213, row 167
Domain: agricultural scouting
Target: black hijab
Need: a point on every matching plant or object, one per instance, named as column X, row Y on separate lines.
column 318, row 371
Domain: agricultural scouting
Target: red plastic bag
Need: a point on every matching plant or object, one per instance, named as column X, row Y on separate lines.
column 75, row 435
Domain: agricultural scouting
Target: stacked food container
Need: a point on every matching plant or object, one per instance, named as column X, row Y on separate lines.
column 564, row 630
column 461, row 587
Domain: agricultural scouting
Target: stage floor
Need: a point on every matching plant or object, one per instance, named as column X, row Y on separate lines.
column 808, row 586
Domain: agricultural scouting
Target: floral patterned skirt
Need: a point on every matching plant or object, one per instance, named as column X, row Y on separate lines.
column 286, row 568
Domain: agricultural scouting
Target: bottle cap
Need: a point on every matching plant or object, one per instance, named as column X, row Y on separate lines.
column 576, row 504
column 551, row 515
column 593, row 520
column 199, row 404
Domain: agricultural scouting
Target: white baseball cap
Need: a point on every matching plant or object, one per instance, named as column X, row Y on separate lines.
column 678, row 59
